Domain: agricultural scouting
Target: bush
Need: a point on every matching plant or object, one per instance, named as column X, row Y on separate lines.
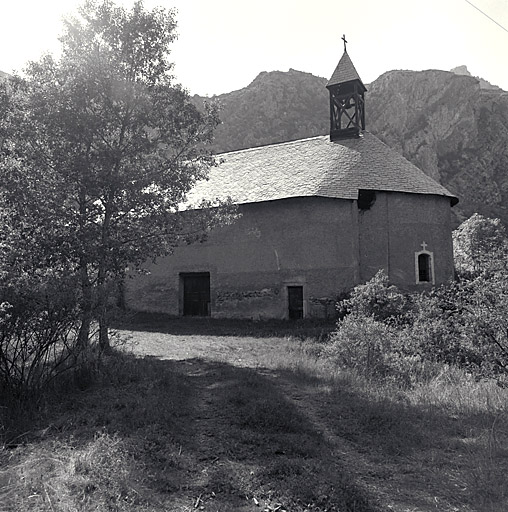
column 435, row 330
column 369, row 339
column 38, row 332
column 376, row 298
column 388, row 334
column 362, row 343
column 484, row 317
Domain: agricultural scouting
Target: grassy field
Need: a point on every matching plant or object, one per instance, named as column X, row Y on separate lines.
column 236, row 416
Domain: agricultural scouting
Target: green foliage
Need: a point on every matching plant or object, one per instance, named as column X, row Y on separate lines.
column 387, row 334
column 376, row 298
column 481, row 296
column 98, row 150
column 434, row 330
column 368, row 339
column 463, row 324
column 480, row 246
column 39, row 320
column 362, row 343
column 484, row 318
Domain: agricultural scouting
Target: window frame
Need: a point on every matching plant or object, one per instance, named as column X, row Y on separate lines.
column 432, row 278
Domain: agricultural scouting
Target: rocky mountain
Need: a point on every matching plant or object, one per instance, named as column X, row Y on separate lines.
column 276, row 107
column 484, row 84
column 450, row 124
column 452, row 128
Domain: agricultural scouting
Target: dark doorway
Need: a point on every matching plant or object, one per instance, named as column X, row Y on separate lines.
column 196, row 294
column 295, row 302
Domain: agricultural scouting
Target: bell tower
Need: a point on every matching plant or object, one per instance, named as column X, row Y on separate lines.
column 347, row 101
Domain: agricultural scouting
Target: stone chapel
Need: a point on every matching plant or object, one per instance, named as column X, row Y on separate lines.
column 318, row 216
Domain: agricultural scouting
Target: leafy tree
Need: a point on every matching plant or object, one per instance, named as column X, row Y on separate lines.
column 480, row 246
column 481, row 296
column 98, row 150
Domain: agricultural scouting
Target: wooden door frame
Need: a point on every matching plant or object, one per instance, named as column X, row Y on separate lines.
column 182, row 276
column 295, row 282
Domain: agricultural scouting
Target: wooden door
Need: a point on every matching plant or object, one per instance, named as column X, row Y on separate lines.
column 196, row 294
column 295, row 302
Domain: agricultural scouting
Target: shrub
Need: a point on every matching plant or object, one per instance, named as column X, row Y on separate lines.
column 462, row 323
column 480, row 246
column 38, row 326
column 484, row 317
column 376, row 298
column 435, row 330
column 361, row 343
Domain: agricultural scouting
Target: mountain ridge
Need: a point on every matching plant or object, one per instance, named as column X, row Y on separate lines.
column 450, row 124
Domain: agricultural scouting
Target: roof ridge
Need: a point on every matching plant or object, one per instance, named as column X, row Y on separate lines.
column 264, row 146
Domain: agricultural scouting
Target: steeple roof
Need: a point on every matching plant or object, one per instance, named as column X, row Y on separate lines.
column 344, row 72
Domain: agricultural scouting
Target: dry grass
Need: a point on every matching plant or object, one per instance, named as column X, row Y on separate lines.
column 220, row 421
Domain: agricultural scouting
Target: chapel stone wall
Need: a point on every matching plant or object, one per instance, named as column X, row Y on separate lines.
column 398, row 226
column 310, row 242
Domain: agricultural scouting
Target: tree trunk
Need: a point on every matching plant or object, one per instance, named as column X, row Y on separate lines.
column 86, row 307
column 102, row 311
column 104, row 344
column 102, row 276
column 85, row 283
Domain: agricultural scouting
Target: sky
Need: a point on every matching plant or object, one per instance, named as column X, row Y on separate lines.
column 224, row 44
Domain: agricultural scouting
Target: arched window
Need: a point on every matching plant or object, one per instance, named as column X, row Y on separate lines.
column 424, row 274
column 424, row 266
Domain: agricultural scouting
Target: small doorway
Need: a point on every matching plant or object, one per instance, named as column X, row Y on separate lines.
column 295, row 302
column 196, row 294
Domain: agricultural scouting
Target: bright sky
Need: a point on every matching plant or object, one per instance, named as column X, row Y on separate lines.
column 224, row 44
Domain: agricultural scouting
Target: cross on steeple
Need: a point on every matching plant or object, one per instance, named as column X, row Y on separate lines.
column 424, row 246
column 345, row 42
column 347, row 113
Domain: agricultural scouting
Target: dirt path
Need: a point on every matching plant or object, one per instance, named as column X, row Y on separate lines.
column 266, row 435
column 379, row 477
column 236, row 423
column 252, row 433
column 255, row 437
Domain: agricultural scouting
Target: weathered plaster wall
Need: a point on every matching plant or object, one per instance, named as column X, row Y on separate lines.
column 311, row 242
column 325, row 245
column 395, row 227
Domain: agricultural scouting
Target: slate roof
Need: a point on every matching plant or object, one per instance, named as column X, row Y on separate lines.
column 314, row 167
column 344, row 72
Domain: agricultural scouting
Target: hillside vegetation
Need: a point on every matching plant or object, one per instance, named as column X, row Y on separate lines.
column 275, row 107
